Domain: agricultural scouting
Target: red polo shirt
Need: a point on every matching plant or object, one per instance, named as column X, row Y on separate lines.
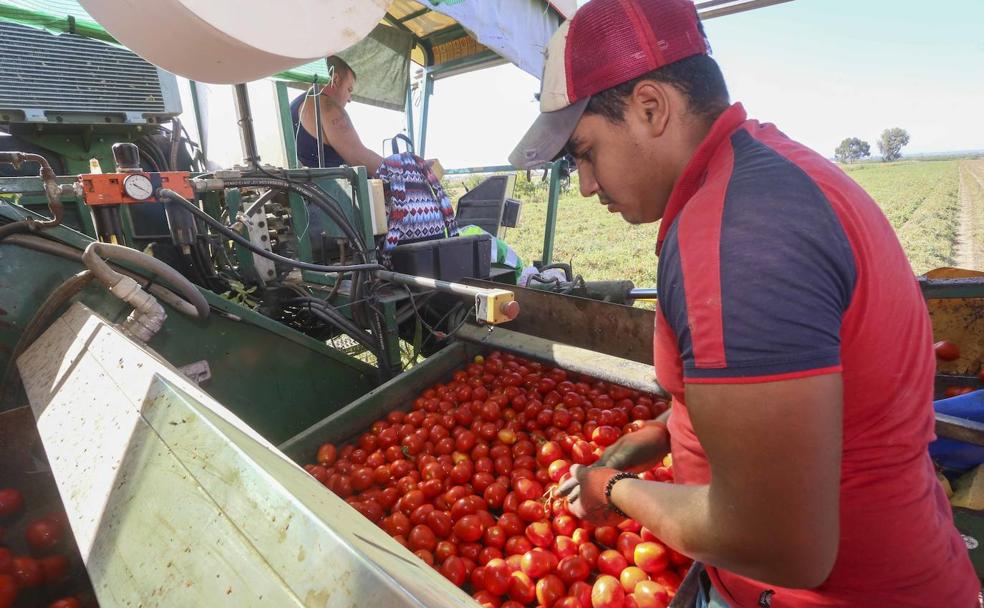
column 776, row 265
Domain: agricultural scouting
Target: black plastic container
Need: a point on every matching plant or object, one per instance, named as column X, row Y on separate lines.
column 450, row 259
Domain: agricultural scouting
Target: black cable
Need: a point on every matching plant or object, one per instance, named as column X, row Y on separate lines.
column 338, row 320
column 235, row 236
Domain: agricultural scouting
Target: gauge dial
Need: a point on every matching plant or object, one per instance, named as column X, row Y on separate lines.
column 138, row 187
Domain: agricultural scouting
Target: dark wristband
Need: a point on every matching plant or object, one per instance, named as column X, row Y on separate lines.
column 611, row 485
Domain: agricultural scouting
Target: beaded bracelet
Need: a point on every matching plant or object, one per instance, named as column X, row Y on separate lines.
column 608, row 491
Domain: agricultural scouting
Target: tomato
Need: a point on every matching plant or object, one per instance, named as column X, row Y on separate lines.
column 8, row 590
column 494, row 536
column 669, row 579
column 607, row 592
column 521, row 588
column 611, row 562
column 425, row 555
column 583, row 453
column 517, row 545
column 486, row 599
column 440, row 523
column 496, row 577
column 569, row 602
column 582, row 591
column 453, row 569
column 572, row 569
column 564, row 525
column 28, row 572
column 650, row 594
column 327, row 454
column 946, row 351
column 557, row 469
column 468, row 528
column 540, row 533
column 537, row 563
column 54, row 569
column 531, row 510
column 469, row 550
column 549, row 590
column 549, row 452
column 527, row 489
column 604, row 435
column 630, row 577
column 511, row 524
column 563, row 546
column 495, row 495
column 652, row 557
column 396, row 524
column 11, row 501
column 606, row 535
column 422, row 537
column 626, row 545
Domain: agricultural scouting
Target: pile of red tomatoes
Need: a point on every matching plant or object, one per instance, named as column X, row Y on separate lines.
column 462, row 480
column 34, row 566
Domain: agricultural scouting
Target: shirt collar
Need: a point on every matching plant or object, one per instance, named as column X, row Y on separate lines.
column 693, row 175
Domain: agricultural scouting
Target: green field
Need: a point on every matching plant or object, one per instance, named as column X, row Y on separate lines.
column 922, row 200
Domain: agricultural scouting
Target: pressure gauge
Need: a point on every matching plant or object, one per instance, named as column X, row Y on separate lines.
column 138, row 187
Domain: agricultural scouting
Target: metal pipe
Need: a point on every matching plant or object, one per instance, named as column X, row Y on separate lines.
column 52, row 190
column 553, row 200
column 247, row 134
column 458, row 289
column 740, row 7
column 643, row 293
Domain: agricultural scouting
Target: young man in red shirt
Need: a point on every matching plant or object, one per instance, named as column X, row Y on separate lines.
column 790, row 331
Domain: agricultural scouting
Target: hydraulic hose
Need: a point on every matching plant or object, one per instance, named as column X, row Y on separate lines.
column 329, row 314
column 152, row 265
column 70, row 253
column 148, row 315
column 235, row 236
column 319, row 197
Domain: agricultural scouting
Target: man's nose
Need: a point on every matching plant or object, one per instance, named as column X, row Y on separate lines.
column 589, row 187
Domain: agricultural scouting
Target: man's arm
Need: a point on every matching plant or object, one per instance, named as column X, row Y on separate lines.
column 771, row 512
column 339, row 132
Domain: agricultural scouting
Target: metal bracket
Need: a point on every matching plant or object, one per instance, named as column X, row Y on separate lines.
column 259, row 235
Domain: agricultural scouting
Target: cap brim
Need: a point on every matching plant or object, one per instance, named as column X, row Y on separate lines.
column 545, row 140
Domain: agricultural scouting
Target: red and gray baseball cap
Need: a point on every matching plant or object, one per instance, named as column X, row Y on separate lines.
column 606, row 43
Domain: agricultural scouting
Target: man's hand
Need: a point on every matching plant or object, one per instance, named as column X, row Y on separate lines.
column 639, row 450
column 587, row 500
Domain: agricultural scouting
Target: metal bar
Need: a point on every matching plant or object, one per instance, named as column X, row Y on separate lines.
column 362, row 204
column 247, row 134
column 409, row 118
column 425, row 107
column 960, row 429
column 553, row 200
column 643, row 293
column 741, row 8
column 972, row 287
column 196, row 106
column 458, row 289
column 632, row 374
column 286, row 125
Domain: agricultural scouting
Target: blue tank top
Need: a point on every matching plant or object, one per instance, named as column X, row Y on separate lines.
column 307, row 144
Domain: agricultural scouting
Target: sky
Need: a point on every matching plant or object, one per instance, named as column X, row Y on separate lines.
column 822, row 70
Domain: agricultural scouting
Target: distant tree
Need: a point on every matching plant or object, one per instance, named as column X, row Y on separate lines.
column 891, row 143
column 852, row 149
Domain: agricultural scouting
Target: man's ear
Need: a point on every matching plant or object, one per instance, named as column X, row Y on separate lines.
column 650, row 102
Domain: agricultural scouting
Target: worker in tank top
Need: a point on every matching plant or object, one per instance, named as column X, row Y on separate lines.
column 340, row 143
